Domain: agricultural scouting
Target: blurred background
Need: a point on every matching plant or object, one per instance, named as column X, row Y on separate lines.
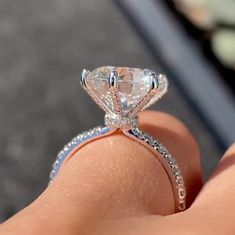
column 45, row 44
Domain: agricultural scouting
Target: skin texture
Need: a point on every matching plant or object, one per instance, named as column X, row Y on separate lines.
column 116, row 186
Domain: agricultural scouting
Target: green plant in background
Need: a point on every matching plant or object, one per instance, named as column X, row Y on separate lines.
column 223, row 44
column 214, row 16
column 222, row 11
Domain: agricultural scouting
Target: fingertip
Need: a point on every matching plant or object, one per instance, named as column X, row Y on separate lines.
column 217, row 195
column 230, row 151
column 227, row 161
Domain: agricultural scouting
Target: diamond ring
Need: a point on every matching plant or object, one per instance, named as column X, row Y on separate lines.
column 122, row 93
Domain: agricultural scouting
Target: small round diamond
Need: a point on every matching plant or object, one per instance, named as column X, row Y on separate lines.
column 179, row 180
column 161, row 148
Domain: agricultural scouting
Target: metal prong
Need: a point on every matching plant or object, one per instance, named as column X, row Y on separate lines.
column 162, row 90
column 113, row 88
column 83, row 77
column 155, row 82
column 113, row 79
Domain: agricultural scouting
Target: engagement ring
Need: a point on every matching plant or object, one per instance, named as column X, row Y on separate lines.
column 122, row 93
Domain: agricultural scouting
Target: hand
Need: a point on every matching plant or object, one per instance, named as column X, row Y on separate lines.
column 117, row 186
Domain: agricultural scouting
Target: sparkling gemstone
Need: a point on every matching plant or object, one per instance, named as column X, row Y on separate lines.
column 180, row 180
column 169, row 158
column 182, row 192
column 151, row 141
column 161, row 148
column 133, row 85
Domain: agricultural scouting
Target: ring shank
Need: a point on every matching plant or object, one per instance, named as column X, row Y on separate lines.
column 158, row 149
column 167, row 161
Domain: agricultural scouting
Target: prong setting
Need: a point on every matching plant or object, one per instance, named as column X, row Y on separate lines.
column 83, row 77
column 155, row 82
column 113, row 88
column 162, row 88
column 123, row 92
column 113, row 80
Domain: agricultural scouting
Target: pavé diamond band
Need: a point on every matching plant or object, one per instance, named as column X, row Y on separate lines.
column 122, row 93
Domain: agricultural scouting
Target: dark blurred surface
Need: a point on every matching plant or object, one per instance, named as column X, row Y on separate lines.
column 43, row 47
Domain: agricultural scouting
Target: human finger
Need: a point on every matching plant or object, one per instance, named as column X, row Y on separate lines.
column 112, row 177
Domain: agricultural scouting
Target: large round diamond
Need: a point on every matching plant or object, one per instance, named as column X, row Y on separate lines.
column 133, row 85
